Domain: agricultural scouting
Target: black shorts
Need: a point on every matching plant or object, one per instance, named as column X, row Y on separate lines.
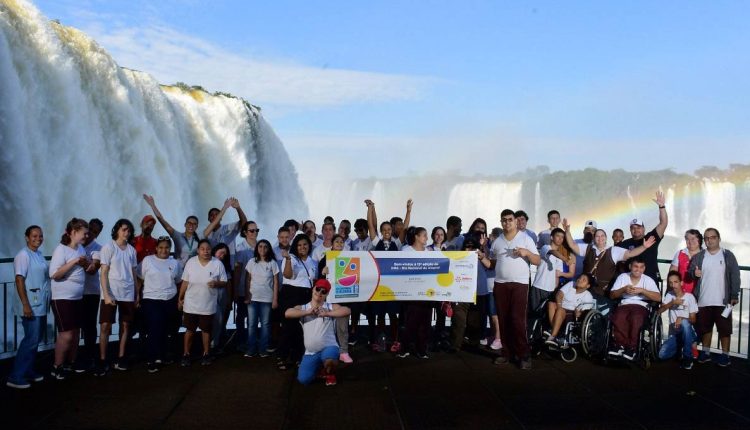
column 195, row 321
column 68, row 314
column 710, row 315
column 126, row 311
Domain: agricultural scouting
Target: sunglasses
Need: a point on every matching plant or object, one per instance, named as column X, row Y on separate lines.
column 160, row 238
column 321, row 290
column 253, row 230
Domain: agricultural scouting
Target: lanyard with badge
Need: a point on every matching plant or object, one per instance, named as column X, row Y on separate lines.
column 190, row 244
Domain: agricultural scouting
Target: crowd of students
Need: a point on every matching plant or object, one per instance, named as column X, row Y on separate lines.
column 154, row 286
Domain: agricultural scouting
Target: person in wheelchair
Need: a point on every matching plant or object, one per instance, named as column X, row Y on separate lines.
column 570, row 300
column 683, row 309
column 634, row 290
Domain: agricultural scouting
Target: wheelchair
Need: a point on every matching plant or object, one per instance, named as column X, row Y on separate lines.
column 572, row 333
column 597, row 336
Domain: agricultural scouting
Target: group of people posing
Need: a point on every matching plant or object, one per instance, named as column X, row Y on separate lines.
column 278, row 291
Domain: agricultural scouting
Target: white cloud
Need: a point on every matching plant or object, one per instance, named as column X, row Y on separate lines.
column 171, row 56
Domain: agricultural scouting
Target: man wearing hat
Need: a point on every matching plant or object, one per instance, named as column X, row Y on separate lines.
column 638, row 236
column 144, row 244
column 318, row 320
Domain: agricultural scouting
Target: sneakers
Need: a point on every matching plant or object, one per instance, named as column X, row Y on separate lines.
column 206, row 360
column 422, row 356
column 58, row 372
column 396, row 346
column 345, row 358
column 122, row 364
column 551, row 340
column 616, row 351
column 352, row 339
column 547, row 333
column 704, row 357
column 82, row 366
column 686, row 364
column 36, row 377
column 185, row 361
column 152, row 367
column 21, row 385
column 264, row 355
column 249, row 355
column 100, row 369
column 723, row 360
column 496, row 345
column 403, row 354
column 484, row 341
column 501, row 360
column 525, row 364
column 330, row 379
column 629, row 354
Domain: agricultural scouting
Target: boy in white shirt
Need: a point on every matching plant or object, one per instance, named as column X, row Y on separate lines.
column 683, row 309
column 571, row 299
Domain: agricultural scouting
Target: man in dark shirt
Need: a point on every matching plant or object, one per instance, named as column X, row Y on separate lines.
column 638, row 235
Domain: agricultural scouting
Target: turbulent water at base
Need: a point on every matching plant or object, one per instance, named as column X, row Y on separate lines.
column 81, row 136
column 612, row 199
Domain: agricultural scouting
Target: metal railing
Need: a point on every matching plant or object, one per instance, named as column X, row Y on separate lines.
column 740, row 345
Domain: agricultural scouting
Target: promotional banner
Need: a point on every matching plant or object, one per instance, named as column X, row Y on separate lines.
column 378, row 276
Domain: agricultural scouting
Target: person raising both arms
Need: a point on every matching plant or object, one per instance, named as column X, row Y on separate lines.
column 226, row 234
column 185, row 242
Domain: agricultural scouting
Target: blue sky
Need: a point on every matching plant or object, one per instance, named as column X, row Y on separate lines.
column 436, row 85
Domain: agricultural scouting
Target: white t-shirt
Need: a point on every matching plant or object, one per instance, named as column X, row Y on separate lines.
column 262, row 274
column 317, row 242
column 511, row 268
column 70, row 287
column 688, row 306
column 634, row 299
column 319, row 332
column 572, row 299
column 225, row 234
column 303, row 273
column 617, row 253
column 200, row 299
column 360, row 245
column 121, row 263
column 395, row 240
column 320, row 251
column 712, row 279
column 160, row 277
column 91, row 285
column 545, row 274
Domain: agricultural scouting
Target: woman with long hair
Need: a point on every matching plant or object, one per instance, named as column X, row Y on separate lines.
column 66, row 269
column 261, row 296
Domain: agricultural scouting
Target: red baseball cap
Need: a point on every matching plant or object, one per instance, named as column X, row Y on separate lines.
column 147, row 219
column 323, row 283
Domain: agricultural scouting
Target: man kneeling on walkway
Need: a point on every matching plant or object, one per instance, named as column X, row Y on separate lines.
column 318, row 320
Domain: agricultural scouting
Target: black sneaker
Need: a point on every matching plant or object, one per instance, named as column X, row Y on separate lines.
column 185, row 361
column 101, row 368
column 152, row 367
column 82, row 366
column 629, row 354
column 402, row 354
column 616, row 351
column 686, row 364
column 206, row 360
column 121, row 364
column 58, row 372
column 422, row 356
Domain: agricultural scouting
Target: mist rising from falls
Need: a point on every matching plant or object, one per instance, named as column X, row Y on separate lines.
column 81, row 136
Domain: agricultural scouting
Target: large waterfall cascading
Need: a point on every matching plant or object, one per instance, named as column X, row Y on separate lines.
column 84, row 137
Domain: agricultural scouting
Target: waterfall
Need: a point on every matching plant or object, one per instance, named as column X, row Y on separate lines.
column 720, row 207
column 84, row 137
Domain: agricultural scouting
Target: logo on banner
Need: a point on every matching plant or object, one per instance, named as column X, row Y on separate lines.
column 347, row 277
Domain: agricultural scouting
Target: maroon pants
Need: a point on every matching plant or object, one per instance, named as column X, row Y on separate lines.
column 628, row 321
column 511, row 300
column 418, row 321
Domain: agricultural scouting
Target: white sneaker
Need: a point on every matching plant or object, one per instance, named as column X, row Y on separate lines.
column 496, row 345
column 345, row 357
column 484, row 342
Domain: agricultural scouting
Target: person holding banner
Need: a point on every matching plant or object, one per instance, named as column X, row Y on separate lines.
column 514, row 252
column 342, row 324
column 319, row 334
column 300, row 271
column 418, row 313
